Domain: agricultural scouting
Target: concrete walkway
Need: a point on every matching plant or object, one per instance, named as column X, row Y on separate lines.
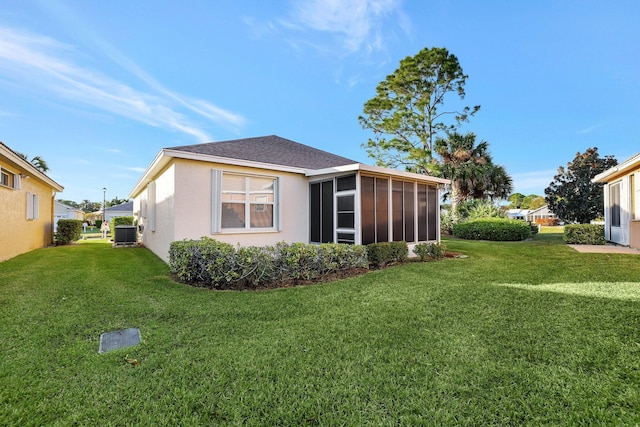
column 605, row 249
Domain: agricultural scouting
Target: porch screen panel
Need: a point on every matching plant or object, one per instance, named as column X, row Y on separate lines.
column 432, row 206
column 409, row 213
column 314, row 212
column 327, row 212
column 397, row 207
column 422, row 213
column 368, row 206
column 382, row 210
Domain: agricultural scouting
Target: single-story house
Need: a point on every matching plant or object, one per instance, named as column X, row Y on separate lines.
column 542, row 212
column 264, row 190
column 124, row 209
column 622, row 202
column 26, row 200
column 62, row 211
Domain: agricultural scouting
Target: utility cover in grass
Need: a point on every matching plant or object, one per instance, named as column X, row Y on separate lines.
column 119, row 339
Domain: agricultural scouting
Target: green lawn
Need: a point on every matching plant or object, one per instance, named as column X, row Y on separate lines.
column 528, row 333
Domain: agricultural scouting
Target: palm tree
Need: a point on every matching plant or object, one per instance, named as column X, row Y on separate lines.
column 470, row 168
column 37, row 161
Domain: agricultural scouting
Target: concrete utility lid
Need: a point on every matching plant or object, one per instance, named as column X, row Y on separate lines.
column 119, row 339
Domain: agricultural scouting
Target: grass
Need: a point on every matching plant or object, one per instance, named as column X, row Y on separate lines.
column 522, row 333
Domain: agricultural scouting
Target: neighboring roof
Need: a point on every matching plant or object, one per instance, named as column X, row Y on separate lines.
column 540, row 209
column 66, row 206
column 15, row 158
column 270, row 149
column 625, row 166
column 125, row 207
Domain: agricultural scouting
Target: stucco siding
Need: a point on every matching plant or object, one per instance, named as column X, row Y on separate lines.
column 193, row 205
column 157, row 216
column 17, row 234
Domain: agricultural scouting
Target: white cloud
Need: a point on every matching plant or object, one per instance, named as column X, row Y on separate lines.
column 37, row 62
column 591, row 128
column 357, row 24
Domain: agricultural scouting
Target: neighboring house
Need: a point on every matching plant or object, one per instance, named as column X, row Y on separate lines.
column 62, row 211
column 26, row 205
column 542, row 212
column 517, row 214
column 260, row 191
column 622, row 202
column 124, row 209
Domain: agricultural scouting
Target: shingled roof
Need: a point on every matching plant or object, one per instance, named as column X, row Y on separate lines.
column 269, row 149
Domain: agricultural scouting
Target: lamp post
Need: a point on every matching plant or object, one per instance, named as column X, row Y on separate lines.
column 104, row 203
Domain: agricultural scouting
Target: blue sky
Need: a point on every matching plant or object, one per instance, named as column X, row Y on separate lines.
column 97, row 88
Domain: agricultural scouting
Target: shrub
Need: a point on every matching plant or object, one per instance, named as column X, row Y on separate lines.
column 447, row 220
column 478, row 208
column 119, row 220
column 584, row 234
column 219, row 265
column 548, row 222
column 534, row 229
column 496, row 229
column 69, row 230
column 429, row 250
column 381, row 254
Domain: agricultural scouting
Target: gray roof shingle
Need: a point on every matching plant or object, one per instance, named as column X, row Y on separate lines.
column 269, row 149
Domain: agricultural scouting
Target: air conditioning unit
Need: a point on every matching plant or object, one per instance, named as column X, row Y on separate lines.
column 126, row 235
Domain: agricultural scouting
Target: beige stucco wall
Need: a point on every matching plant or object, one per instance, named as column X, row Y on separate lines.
column 184, row 207
column 17, row 234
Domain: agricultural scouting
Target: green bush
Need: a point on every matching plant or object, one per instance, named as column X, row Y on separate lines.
column 584, row 234
column 383, row 253
column 119, row 220
column 69, row 230
column 496, row 229
column 429, row 250
column 219, row 265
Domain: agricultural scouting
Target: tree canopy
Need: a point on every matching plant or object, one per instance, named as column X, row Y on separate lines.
column 36, row 161
column 405, row 114
column 571, row 195
column 470, row 168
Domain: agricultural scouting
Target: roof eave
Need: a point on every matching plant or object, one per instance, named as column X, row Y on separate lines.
column 12, row 156
column 377, row 170
column 625, row 166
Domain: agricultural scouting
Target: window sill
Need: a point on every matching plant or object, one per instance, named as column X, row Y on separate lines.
column 247, row 231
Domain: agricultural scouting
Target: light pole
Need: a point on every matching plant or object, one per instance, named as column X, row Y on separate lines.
column 104, row 202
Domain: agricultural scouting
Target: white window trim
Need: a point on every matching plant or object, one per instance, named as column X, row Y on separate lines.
column 216, row 204
column 16, row 179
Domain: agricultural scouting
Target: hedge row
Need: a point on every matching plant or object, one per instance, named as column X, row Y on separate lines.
column 584, row 234
column 68, row 230
column 496, row 229
column 207, row 262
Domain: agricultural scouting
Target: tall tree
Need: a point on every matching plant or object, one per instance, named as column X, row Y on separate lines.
column 37, row 161
column 470, row 168
column 116, row 201
column 572, row 196
column 516, row 200
column 533, row 201
column 405, row 115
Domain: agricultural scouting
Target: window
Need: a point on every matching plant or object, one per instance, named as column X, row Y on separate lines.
column 248, row 202
column 8, row 179
column 614, row 203
column 32, row 206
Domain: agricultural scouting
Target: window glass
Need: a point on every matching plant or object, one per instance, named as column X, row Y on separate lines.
column 615, row 204
column 247, row 201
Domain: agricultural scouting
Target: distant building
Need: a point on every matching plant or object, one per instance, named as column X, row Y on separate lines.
column 62, row 211
column 124, row 209
column 542, row 212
